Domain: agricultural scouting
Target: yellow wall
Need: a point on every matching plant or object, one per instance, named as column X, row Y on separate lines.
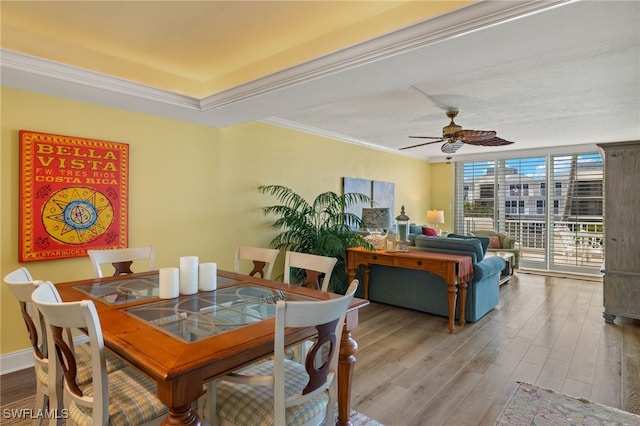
column 442, row 191
column 193, row 189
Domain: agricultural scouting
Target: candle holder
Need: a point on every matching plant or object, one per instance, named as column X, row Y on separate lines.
column 402, row 226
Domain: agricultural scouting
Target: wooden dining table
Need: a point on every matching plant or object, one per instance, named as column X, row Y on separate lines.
column 182, row 344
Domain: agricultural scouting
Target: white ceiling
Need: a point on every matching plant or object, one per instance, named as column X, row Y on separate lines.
column 566, row 75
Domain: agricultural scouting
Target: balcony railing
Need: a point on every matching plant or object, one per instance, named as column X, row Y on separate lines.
column 571, row 243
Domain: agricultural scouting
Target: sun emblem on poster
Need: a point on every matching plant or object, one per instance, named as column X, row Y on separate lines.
column 77, row 215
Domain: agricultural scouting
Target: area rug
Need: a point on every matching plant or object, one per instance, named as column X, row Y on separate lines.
column 532, row 405
column 20, row 413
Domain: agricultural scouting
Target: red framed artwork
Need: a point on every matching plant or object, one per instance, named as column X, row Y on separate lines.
column 73, row 196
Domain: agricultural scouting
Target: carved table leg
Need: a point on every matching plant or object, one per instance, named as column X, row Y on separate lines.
column 346, row 364
column 451, row 295
column 365, row 278
column 462, row 297
column 182, row 416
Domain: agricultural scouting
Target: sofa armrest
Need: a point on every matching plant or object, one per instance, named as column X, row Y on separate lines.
column 509, row 242
column 488, row 266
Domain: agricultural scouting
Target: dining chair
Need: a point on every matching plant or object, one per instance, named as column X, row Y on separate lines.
column 122, row 259
column 121, row 397
column 261, row 258
column 280, row 391
column 313, row 265
column 48, row 393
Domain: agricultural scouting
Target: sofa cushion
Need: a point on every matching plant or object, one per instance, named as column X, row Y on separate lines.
column 430, row 232
column 470, row 247
column 483, row 241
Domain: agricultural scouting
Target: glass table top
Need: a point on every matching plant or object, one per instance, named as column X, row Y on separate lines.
column 206, row 314
column 127, row 290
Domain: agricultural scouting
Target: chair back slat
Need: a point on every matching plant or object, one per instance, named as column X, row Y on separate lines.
column 314, row 266
column 318, row 361
column 261, row 257
column 122, row 259
column 67, row 360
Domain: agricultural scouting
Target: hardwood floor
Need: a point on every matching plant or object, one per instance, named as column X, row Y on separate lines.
column 547, row 331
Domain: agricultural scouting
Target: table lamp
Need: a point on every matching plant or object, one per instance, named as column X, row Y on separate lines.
column 375, row 219
column 435, row 217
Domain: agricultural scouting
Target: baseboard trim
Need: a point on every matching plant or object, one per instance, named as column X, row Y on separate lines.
column 16, row 361
column 20, row 360
column 564, row 274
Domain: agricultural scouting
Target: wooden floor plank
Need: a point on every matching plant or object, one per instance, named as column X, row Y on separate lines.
column 547, row 331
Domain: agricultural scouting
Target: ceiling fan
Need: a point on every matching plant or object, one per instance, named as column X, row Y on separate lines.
column 455, row 137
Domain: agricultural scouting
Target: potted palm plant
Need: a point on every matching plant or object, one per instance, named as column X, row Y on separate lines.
column 322, row 227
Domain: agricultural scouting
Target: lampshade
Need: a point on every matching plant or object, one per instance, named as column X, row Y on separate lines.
column 435, row 216
column 376, row 218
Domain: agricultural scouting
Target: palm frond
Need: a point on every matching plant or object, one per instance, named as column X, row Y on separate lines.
column 321, row 227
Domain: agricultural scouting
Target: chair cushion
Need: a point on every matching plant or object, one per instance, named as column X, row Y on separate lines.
column 83, row 360
column 132, row 400
column 253, row 405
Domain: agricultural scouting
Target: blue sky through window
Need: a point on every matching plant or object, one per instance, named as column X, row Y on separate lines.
column 534, row 167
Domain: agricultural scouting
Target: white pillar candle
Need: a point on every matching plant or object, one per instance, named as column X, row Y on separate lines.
column 207, row 279
column 169, row 283
column 188, row 274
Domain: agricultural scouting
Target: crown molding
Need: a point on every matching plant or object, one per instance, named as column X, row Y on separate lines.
column 458, row 22
column 279, row 122
column 229, row 107
column 34, row 66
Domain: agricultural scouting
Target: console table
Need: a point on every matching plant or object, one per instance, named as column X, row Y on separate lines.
column 454, row 269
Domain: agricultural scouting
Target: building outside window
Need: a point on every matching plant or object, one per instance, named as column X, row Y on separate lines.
column 577, row 204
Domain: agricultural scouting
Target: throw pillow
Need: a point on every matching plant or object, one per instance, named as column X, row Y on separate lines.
column 431, row 232
column 494, row 242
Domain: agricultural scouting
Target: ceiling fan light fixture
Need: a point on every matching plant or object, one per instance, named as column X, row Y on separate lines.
column 450, row 130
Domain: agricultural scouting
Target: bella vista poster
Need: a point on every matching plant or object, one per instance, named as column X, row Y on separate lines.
column 73, row 195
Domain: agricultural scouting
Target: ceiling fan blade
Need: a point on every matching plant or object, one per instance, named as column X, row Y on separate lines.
column 451, row 148
column 421, row 144
column 435, row 101
column 489, row 142
column 427, row 137
column 475, row 135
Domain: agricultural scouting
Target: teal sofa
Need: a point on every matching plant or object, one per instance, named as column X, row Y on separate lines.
column 426, row 292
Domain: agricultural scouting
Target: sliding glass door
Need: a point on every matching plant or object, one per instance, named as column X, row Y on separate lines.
column 552, row 205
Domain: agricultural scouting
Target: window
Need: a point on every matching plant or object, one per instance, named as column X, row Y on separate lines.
column 510, row 195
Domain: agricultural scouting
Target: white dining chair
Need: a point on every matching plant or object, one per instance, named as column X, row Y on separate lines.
column 121, row 397
column 48, row 393
column 281, row 391
column 260, row 257
column 314, row 267
column 122, row 259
